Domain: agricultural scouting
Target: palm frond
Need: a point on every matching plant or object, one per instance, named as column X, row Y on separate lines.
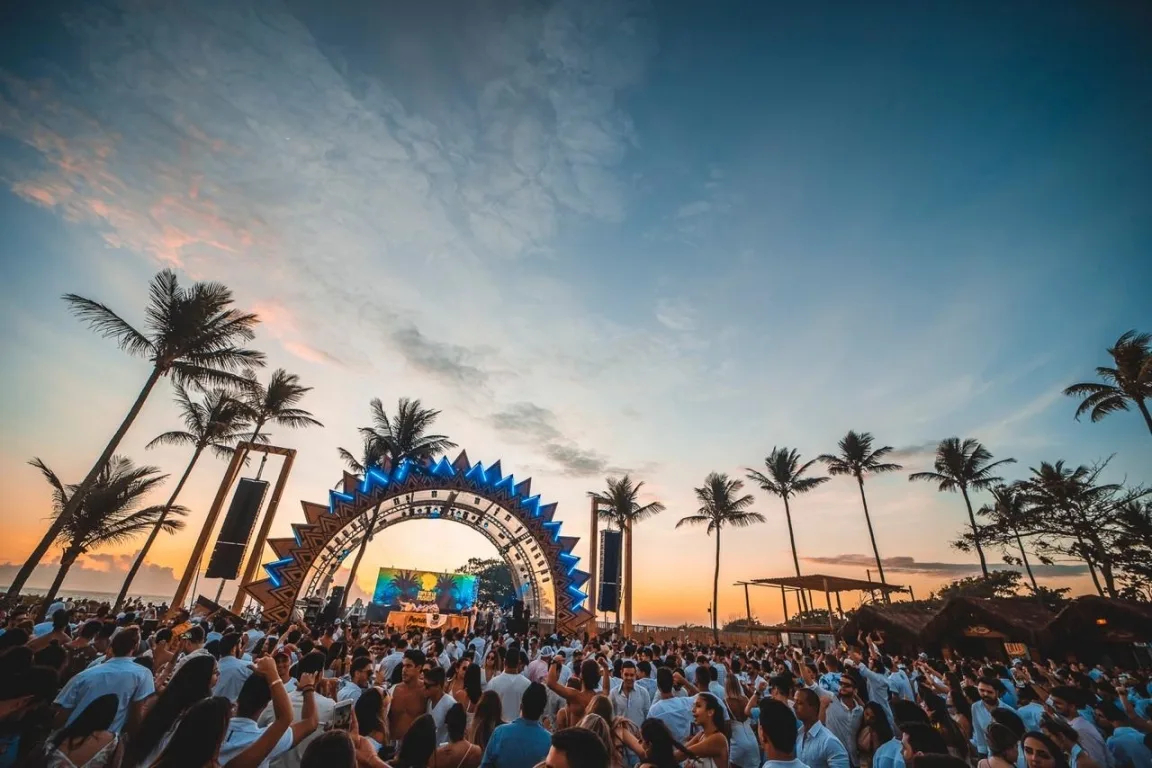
column 110, row 325
column 172, row 438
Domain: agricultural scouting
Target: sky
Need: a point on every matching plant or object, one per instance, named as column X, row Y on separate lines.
column 601, row 237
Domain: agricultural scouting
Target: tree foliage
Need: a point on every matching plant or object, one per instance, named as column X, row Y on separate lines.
column 493, row 578
column 1128, row 382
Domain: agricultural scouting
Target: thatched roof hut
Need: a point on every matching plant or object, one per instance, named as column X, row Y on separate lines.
column 901, row 623
column 1092, row 627
column 989, row 626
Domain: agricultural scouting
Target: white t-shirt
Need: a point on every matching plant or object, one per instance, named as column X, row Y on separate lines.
column 439, row 712
column 510, row 688
column 241, row 732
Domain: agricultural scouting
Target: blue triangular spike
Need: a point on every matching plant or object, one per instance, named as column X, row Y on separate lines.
column 443, row 468
column 532, row 504
column 494, row 474
column 373, row 479
column 476, row 474
column 554, row 527
column 578, row 578
column 508, row 485
column 336, row 498
column 401, row 472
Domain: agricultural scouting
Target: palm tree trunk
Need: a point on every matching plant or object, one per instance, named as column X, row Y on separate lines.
column 78, row 495
column 139, row 561
column 628, row 580
column 66, row 562
column 1144, row 410
column 872, row 535
column 359, row 557
column 975, row 532
column 716, row 593
column 1091, row 566
column 795, row 558
column 1027, row 565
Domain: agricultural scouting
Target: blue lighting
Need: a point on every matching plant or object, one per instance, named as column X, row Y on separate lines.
column 444, row 468
column 578, row 597
column 554, row 527
column 401, row 473
column 493, row 476
column 570, row 559
column 296, row 535
column 373, row 478
column 476, row 474
column 508, row 485
column 336, row 497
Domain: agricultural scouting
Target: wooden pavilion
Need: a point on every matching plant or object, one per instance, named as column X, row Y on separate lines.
column 1002, row 628
column 1091, row 628
column 902, row 624
column 831, row 586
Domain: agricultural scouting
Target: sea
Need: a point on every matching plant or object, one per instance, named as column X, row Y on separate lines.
column 102, row 597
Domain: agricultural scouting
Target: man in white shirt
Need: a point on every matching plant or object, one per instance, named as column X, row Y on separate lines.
column 817, row 746
column 777, row 732
column 630, row 700
column 843, row 714
column 254, row 697
column 121, row 675
column 510, row 685
column 438, row 702
column 359, row 675
column 389, row 663
column 233, row 671
column 674, row 711
column 254, row 634
column 1067, row 700
column 538, row 670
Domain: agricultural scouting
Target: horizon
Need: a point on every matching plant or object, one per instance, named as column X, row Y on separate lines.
column 599, row 237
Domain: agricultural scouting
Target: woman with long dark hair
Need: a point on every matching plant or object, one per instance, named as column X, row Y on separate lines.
column 193, row 682
column 874, row 731
column 419, row 744
column 86, row 742
column 709, row 747
column 458, row 752
column 656, row 746
column 941, row 720
column 468, row 695
column 489, row 716
column 372, row 717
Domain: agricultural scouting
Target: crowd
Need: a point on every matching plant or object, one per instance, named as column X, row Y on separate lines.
column 101, row 690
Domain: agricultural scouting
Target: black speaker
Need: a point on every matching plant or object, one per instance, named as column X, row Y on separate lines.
column 517, row 610
column 233, row 539
column 332, row 610
column 608, row 596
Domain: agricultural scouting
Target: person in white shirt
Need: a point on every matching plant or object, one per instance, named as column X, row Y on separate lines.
column 510, row 685
column 254, row 697
column 630, row 700
column 538, row 670
column 233, row 671
column 389, row 663
column 438, row 701
column 817, row 747
column 778, row 735
column 254, row 634
column 121, row 675
column 359, row 675
column 672, row 710
column 1067, row 701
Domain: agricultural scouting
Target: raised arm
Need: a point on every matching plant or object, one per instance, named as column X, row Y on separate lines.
column 258, row 751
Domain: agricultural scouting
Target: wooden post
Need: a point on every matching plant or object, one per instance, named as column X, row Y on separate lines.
column 628, row 580
column 828, row 599
column 748, row 608
column 839, row 608
column 593, row 558
column 784, row 598
column 257, row 553
column 230, row 476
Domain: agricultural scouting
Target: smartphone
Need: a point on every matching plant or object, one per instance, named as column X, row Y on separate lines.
column 341, row 716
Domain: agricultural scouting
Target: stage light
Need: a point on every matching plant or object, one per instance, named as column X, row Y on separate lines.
column 1101, row 622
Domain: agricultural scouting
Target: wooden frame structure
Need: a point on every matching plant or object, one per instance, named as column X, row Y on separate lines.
column 829, row 585
column 231, row 475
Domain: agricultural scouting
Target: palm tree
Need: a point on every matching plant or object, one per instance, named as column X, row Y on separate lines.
column 1007, row 511
column 192, row 334
column 619, row 504
column 960, row 466
column 109, row 513
column 388, row 442
column 721, row 505
column 217, row 422
column 857, row 458
column 1129, row 382
column 786, row 479
column 276, row 403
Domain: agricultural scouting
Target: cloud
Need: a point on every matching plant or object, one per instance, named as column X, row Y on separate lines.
column 910, row 565
column 676, row 315
column 695, row 208
column 99, row 573
column 916, row 450
column 447, row 362
column 280, row 323
column 536, row 424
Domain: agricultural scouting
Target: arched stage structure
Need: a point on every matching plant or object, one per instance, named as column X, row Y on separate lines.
column 504, row 511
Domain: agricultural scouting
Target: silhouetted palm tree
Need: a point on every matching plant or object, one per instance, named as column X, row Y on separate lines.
column 109, row 513
column 1008, row 513
column 191, row 334
column 216, row 422
column 392, row 440
column 619, row 503
column 785, row 478
column 276, row 403
column 960, row 466
column 857, row 458
column 721, row 504
column 1129, row 382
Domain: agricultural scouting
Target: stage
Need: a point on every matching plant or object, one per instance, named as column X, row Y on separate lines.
column 405, row 620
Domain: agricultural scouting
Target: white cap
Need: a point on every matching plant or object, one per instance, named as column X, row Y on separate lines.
column 547, row 651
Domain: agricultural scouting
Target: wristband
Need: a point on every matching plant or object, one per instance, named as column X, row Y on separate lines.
column 277, row 681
